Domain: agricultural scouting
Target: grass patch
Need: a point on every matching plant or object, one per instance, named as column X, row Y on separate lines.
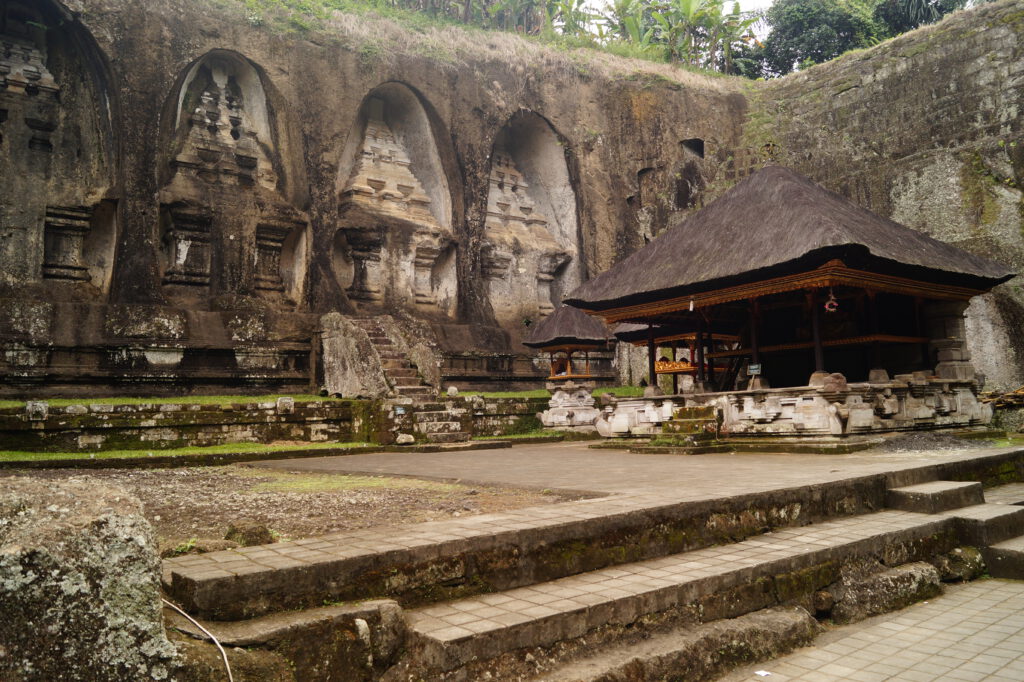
column 227, row 448
column 622, row 391
column 290, row 482
column 180, row 400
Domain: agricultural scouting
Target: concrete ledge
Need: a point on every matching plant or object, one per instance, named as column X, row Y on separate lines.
column 1006, row 559
column 935, row 497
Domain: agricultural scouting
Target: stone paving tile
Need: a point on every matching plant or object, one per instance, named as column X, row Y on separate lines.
column 964, row 617
column 621, row 584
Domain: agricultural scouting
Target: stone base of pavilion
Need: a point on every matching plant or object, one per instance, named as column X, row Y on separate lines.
column 827, row 410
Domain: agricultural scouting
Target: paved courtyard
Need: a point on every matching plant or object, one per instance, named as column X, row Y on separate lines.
column 973, row 632
column 574, row 466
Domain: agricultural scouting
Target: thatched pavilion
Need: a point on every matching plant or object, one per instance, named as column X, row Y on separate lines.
column 566, row 332
column 821, row 293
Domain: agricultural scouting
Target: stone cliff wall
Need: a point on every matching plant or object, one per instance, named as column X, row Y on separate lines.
column 237, row 181
column 925, row 129
column 261, row 176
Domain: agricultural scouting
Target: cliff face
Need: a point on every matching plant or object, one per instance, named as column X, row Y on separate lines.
column 214, row 184
column 927, row 130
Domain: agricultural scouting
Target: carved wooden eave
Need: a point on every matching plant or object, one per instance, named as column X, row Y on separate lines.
column 831, row 274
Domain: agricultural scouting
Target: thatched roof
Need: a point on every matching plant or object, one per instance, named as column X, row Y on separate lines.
column 777, row 222
column 567, row 326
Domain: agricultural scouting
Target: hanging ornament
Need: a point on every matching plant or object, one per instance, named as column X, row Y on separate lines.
column 831, row 305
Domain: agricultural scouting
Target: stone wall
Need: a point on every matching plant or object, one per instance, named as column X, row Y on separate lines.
column 85, row 427
column 195, row 186
column 925, row 129
column 255, row 178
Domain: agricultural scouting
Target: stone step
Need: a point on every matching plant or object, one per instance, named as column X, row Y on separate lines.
column 432, row 561
column 1006, row 559
column 448, row 437
column 439, row 427
column 394, row 363
column 400, row 372
column 715, row 582
column 414, row 390
column 705, row 652
column 392, row 355
column 983, row 525
column 935, row 496
column 423, row 416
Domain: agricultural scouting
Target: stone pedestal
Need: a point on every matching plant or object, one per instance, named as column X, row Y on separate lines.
column 366, row 259
column 66, row 230
column 270, row 239
column 188, row 247
column 571, row 406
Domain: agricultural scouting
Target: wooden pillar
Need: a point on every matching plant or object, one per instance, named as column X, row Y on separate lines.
column 919, row 330
column 711, row 361
column 700, row 348
column 876, row 347
column 652, row 375
column 755, row 313
column 675, row 375
column 819, row 350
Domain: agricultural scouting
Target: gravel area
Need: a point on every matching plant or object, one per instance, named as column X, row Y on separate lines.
column 927, row 441
column 194, row 506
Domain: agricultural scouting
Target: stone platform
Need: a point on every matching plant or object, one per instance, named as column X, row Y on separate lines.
column 665, row 545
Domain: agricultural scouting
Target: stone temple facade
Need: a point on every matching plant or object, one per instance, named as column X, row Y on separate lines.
column 190, row 196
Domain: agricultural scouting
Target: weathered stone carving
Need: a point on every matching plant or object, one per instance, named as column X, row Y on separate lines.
column 188, row 244
column 521, row 256
column 223, row 200
column 382, row 205
column 571, row 406
column 66, row 229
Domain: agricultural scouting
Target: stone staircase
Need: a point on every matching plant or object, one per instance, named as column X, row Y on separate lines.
column 617, row 588
column 437, row 426
column 400, row 373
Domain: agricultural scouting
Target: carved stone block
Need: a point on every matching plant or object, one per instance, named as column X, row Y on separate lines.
column 65, row 230
column 188, row 248
column 270, row 238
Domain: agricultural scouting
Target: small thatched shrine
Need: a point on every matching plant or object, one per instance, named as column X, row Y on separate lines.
column 566, row 332
column 844, row 321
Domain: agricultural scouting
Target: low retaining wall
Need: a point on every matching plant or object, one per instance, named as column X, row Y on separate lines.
column 505, row 416
column 39, row 427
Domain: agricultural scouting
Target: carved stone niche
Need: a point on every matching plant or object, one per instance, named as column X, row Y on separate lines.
column 495, row 262
column 365, row 247
column 270, row 242
column 23, row 75
column 187, row 240
column 66, row 228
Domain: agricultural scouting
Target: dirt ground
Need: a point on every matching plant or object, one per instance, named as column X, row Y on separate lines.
column 192, row 507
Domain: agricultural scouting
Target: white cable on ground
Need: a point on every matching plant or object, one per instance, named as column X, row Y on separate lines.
column 206, row 632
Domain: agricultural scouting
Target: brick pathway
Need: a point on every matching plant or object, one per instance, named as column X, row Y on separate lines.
column 973, row 632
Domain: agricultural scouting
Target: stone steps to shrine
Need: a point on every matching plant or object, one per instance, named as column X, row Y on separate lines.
column 398, row 370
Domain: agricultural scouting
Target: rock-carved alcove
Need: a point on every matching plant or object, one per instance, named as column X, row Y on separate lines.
column 229, row 230
column 394, row 246
column 58, row 213
column 531, row 235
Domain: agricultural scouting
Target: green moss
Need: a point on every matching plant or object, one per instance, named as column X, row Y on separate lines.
column 977, row 194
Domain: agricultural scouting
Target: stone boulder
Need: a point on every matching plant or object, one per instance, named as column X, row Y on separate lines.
column 352, row 368
column 890, row 590
column 961, row 564
column 79, row 581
